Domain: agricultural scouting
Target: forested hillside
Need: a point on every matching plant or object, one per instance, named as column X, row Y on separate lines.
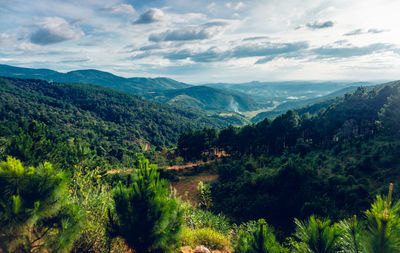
column 331, row 163
column 135, row 85
column 207, row 98
column 112, row 124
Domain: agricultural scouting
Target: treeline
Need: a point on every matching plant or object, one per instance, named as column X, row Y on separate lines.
column 358, row 115
column 330, row 164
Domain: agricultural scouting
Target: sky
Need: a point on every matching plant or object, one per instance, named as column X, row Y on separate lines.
column 206, row 41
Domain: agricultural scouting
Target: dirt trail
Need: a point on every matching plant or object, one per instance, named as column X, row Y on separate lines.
column 174, row 167
column 186, row 187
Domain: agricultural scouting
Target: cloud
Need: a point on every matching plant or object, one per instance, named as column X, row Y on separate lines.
column 265, row 59
column 267, row 50
column 256, row 38
column 375, row 31
column 121, row 9
column 354, row 32
column 347, row 52
column 53, row 30
column 361, row 31
column 320, row 25
column 202, row 32
column 150, row 16
column 238, row 6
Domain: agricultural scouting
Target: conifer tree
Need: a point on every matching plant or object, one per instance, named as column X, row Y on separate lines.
column 145, row 215
column 262, row 240
column 34, row 214
column 383, row 226
column 352, row 235
column 318, row 236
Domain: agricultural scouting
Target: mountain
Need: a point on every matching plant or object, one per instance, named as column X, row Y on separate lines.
column 280, row 92
column 311, row 105
column 113, row 123
column 136, row 85
column 207, row 98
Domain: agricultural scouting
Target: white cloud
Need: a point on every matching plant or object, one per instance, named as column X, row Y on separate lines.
column 122, row 9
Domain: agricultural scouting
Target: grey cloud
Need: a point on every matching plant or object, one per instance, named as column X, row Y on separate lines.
column 268, row 51
column 53, row 30
column 256, row 38
column 150, row 16
column 45, row 36
column 355, row 32
column 320, row 25
column 375, row 31
column 150, row 47
column 265, row 59
column 361, row 31
column 346, row 52
column 202, row 32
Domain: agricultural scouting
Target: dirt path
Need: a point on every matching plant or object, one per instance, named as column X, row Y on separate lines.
column 186, row 187
column 174, row 167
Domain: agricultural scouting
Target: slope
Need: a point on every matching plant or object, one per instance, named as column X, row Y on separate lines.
column 207, row 98
column 112, row 122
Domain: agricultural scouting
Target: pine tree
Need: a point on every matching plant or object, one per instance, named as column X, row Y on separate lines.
column 383, row 226
column 352, row 235
column 262, row 240
column 34, row 213
column 318, row 236
column 145, row 215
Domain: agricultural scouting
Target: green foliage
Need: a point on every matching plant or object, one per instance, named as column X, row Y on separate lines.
column 114, row 125
column 261, row 240
column 205, row 236
column 90, row 192
column 318, row 236
column 383, row 226
column 196, row 218
column 34, row 211
column 351, row 236
column 205, row 195
column 145, row 215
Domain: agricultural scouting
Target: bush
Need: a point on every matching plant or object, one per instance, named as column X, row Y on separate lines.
column 145, row 215
column 89, row 191
column 198, row 218
column 261, row 240
column 205, row 236
column 34, row 212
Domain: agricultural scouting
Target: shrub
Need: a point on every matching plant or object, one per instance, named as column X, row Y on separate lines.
column 198, row 218
column 34, row 212
column 145, row 215
column 89, row 191
column 205, row 236
column 261, row 240
column 317, row 235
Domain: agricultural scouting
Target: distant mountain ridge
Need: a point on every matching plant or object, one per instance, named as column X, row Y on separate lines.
column 135, row 85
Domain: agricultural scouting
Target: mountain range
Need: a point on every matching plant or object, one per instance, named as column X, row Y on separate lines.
column 238, row 103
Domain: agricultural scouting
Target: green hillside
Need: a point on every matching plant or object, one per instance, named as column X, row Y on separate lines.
column 347, row 153
column 134, row 85
column 112, row 122
column 207, row 98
